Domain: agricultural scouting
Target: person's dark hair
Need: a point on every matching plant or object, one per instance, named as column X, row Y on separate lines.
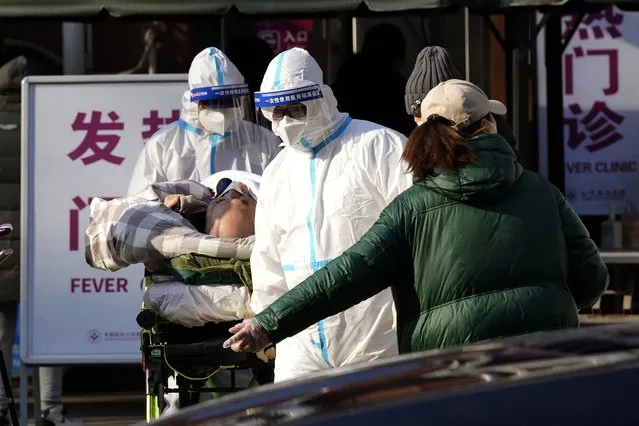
column 385, row 39
column 504, row 130
column 436, row 146
column 251, row 55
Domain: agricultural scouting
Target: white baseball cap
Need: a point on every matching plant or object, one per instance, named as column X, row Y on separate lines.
column 460, row 102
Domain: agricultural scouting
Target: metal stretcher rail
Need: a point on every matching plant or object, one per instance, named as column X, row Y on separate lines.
column 210, row 349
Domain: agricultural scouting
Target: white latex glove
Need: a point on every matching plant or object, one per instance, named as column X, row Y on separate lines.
column 248, row 336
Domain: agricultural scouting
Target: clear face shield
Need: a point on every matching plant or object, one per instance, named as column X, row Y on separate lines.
column 222, row 110
column 300, row 117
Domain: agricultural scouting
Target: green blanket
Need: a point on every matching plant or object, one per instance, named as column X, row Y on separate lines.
column 195, row 269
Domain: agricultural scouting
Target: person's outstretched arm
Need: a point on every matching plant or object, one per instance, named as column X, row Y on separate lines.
column 587, row 273
column 362, row 271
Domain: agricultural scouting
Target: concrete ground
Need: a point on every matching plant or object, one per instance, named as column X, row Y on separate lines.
column 101, row 396
column 103, row 409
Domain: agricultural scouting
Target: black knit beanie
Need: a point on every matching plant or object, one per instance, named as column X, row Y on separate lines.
column 433, row 65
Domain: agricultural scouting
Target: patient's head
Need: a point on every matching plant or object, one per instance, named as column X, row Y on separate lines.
column 232, row 214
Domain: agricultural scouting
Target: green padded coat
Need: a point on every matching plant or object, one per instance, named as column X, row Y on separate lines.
column 487, row 252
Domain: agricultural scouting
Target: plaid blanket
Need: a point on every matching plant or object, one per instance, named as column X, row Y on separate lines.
column 141, row 229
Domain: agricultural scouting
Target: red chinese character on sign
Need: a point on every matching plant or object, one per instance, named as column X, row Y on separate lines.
column 101, row 145
column 610, row 55
column 74, row 220
column 154, row 122
column 601, row 22
column 600, row 126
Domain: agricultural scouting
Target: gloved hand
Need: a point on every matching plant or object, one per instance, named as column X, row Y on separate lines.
column 266, row 355
column 248, row 336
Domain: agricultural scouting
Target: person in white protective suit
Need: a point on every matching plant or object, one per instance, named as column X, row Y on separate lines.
column 322, row 192
column 211, row 134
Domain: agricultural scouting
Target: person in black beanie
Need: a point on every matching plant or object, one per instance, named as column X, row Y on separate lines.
column 433, row 66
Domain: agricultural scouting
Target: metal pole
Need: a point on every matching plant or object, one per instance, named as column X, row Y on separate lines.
column 88, row 64
column 24, row 394
column 555, row 101
column 328, row 42
column 516, row 90
column 346, row 26
column 37, row 397
column 467, row 42
column 510, row 34
column 513, row 38
column 355, row 35
column 73, row 48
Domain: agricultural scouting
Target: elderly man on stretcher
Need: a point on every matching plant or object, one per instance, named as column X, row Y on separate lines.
column 195, row 240
column 184, row 232
column 209, row 295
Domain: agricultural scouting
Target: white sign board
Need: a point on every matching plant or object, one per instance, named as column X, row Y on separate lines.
column 601, row 111
column 81, row 138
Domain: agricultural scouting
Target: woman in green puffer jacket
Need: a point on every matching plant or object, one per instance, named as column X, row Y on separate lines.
column 477, row 249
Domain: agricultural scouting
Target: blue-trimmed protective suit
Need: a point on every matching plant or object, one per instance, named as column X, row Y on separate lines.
column 186, row 150
column 319, row 196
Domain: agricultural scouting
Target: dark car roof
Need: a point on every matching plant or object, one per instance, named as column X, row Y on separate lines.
column 424, row 383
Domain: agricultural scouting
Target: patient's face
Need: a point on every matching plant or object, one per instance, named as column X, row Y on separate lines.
column 232, row 215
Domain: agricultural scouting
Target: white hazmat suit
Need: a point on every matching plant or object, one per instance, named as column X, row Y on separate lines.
column 323, row 191
column 202, row 143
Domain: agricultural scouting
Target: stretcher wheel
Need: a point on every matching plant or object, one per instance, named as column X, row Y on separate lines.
column 161, row 401
column 155, row 402
column 145, row 319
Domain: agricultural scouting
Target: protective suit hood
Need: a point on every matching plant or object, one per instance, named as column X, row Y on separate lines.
column 214, row 79
column 211, row 68
column 293, row 77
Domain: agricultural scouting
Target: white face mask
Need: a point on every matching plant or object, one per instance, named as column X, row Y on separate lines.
column 291, row 131
column 219, row 122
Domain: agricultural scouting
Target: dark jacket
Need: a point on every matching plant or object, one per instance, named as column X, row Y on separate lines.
column 504, row 129
column 487, row 252
column 11, row 75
